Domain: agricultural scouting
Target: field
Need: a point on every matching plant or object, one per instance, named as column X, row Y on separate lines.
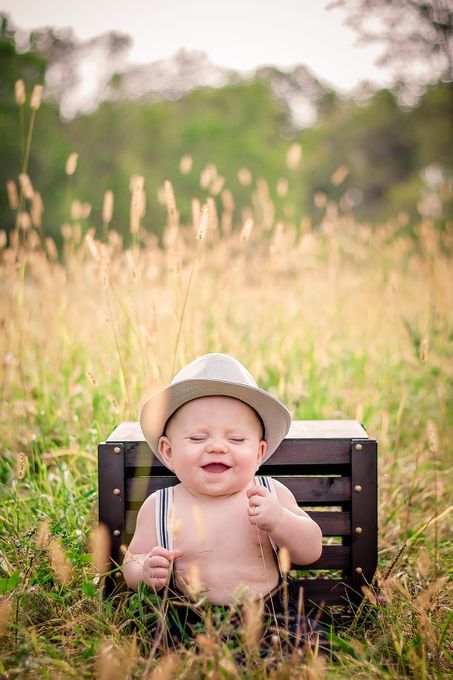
column 339, row 319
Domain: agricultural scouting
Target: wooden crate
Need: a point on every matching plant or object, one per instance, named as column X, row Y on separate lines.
column 329, row 465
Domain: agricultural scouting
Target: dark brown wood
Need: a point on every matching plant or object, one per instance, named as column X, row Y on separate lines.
column 364, row 512
column 111, row 505
column 296, row 452
column 331, row 523
column 318, row 462
column 307, row 490
column 333, row 557
column 325, row 591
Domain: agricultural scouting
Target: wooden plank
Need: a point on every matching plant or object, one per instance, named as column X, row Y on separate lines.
column 291, row 452
column 300, row 429
column 331, row 523
column 307, row 490
column 327, row 591
column 363, row 512
column 112, row 504
column 333, row 557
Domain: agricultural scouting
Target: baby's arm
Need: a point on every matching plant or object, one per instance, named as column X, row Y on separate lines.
column 286, row 523
column 144, row 559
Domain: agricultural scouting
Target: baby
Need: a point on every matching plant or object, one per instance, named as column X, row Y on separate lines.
column 221, row 527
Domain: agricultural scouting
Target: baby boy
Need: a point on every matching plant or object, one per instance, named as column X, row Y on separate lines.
column 221, row 527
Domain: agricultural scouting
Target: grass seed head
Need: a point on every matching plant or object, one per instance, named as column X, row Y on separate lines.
column 59, row 561
column 107, row 207
column 43, row 535
column 293, row 156
column 6, row 607
column 21, row 462
column 100, row 548
column 26, row 186
column 19, row 90
column 284, row 560
column 71, row 163
column 35, row 101
column 13, row 198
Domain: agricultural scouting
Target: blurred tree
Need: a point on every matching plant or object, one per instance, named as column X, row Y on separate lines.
column 417, row 34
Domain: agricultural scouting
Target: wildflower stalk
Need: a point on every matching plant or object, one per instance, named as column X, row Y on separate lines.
column 200, row 236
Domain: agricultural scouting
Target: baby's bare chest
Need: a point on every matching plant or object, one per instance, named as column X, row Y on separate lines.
column 216, row 529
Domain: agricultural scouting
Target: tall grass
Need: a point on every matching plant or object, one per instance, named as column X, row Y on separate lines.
column 340, row 320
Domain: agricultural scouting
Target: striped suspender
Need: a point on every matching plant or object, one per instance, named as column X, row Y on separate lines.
column 164, row 500
column 268, row 484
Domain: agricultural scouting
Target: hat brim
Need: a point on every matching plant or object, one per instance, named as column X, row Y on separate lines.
column 158, row 409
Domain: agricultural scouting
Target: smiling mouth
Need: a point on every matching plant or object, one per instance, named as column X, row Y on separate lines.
column 216, row 468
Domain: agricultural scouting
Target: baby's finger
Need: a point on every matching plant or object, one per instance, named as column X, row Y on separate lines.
column 257, row 491
column 158, row 561
column 158, row 572
column 163, row 552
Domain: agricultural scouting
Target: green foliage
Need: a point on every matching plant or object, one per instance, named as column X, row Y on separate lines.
column 239, row 125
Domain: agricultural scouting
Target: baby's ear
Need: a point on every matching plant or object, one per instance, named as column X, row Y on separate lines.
column 262, row 448
column 164, row 448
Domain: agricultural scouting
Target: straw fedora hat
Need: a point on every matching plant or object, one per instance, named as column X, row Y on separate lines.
column 214, row 375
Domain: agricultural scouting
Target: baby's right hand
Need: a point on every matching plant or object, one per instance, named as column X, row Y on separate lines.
column 157, row 565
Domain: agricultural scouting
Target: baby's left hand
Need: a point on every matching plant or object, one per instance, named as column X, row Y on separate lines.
column 264, row 509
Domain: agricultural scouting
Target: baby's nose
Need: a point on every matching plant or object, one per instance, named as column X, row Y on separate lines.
column 217, row 445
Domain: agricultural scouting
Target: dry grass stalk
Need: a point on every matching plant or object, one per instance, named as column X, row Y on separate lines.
column 19, row 91
column 100, row 548
column 340, row 174
column 43, row 535
column 246, row 230
column 424, row 346
column 13, row 198
column 194, row 583
column 199, row 521
column 37, row 209
column 203, row 223
column 174, row 524
column 433, row 438
column 212, row 211
column 59, row 561
column 282, row 186
column 253, row 623
column 166, row 668
column 71, row 163
column 138, row 202
column 51, row 248
column 26, row 185
column 107, row 207
column 293, row 156
column 6, row 606
column 245, row 177
column 208, row 175
column 185, row 164
column 35, row 101
column 170, row 202
column 114, row 662
column 92, row 247
column 284, row 560
column 24, row 220
column 21, row 462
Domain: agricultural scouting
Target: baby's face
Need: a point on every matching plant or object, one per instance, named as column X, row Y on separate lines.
column 214, row 445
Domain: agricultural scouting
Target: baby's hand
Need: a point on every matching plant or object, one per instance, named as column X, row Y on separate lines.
column 264, row 509
column 157, row 565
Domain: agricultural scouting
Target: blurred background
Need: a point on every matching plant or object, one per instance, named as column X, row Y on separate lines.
column 300, row 103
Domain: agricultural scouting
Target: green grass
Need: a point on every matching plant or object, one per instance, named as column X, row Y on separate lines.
column 332, row 321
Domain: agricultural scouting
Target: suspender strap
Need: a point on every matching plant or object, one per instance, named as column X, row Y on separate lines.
column 268, row 484
column 164, row 501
